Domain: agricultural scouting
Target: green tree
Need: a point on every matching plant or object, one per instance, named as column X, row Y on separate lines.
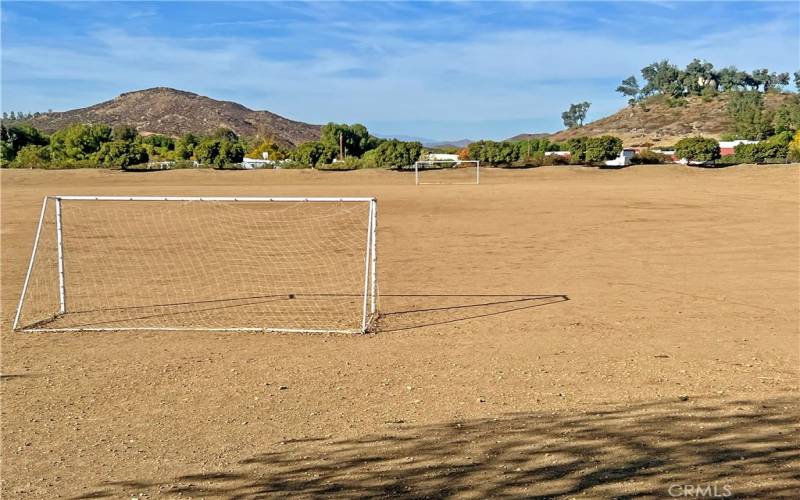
column 797, row 80
column 697, row 149
column 662, row 78
column 774, row 148
column 312, row 154
column 121, row 153
column 575, row 115
column 356, row 138
column 602, row 148
column 787, row 116
column 751, row 120
column 32, row 156
column 630, row 88
column 225, row 134
column 207, row 151
column 184, row 147
column 230, row 152
column 16, row 137
column 396, row 154
column 79, row 141
column 697, row 76
column 124, row 133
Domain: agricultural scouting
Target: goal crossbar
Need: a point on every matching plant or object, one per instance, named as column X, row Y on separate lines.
column 368, row 295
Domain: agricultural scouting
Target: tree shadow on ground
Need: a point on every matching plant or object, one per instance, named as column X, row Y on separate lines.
column 411, row 311
column 748, row 447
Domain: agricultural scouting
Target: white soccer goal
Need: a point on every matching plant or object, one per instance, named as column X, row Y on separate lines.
column 202, row 263
column 447, row 172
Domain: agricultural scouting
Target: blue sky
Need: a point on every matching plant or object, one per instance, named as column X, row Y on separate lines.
column 440, row 70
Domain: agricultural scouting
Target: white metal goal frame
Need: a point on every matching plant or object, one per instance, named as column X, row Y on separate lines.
column 369, row 306
column 446, row 164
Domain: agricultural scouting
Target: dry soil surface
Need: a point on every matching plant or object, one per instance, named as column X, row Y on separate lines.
column 551, row 332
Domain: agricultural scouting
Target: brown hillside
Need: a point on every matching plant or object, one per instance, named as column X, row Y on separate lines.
column 174, row 112
column 659, row 124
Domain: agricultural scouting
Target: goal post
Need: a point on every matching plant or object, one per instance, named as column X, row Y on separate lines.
column 447, row 172
column 282, row 264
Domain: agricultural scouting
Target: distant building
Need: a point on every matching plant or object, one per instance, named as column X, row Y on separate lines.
column 564, row 154
column 729, row 147
column 263, row 162
column 441, row 157
column 624, row 158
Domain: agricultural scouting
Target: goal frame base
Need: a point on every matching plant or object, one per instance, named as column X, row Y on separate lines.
column 370, row 291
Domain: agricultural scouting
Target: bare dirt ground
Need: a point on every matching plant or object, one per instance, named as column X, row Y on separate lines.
column 551, row 332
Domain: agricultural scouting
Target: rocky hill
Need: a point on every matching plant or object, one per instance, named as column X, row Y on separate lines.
column 173, row 112
column 659, row 124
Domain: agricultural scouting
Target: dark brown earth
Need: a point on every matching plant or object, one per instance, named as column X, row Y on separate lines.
column 551, row 332
column 173, row 112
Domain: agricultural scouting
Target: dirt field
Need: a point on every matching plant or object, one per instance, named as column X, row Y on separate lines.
column 552, row 332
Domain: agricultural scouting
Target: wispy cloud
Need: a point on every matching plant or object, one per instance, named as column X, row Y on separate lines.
column 438, row 70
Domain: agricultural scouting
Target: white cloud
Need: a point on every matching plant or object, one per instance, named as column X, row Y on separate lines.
column 484, row 77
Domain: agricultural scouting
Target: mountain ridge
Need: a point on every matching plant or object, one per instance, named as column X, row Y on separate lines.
column 173, row 112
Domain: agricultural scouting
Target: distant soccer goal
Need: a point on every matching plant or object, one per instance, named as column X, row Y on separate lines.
column 202, row 263
column 447, row 172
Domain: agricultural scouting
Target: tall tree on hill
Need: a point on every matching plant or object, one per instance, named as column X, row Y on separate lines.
column 697, row 76
column 662, row 78
column 576, row 114
column 629, row 88
column 797, row 80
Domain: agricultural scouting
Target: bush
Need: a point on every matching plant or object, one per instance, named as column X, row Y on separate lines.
column 32, row 156
column 552, row 160
column 647, row 157
column 396, row 154
column 697, row 149
column 182, row 164
column 292, row 164
column 728, row 160
column 794, row 148
column 313, row 153
column 349, row 163
column 773, row 150
column 602, row 148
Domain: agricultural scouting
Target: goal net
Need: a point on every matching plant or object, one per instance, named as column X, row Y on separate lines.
column 189, row 263
column 447, row 172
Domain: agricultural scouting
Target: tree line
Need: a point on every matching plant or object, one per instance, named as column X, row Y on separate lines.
column 698, row 78
column 97, row 145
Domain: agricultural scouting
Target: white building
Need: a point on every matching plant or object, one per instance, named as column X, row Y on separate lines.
column 263, row 162
column 441, row 157
column 624, row 158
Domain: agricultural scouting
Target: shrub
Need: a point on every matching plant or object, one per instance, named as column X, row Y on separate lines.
column 292, row 164
column 602, row 148
column 647, row 157
column 773, row 150
column 313, row 153
column 697, row 149
column 32, row 156
column 121, row 154
column 349, row 163
column 396, row 154
column 794, row 148
column 552, row 160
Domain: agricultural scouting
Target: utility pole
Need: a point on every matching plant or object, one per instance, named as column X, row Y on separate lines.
column 341, row 145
